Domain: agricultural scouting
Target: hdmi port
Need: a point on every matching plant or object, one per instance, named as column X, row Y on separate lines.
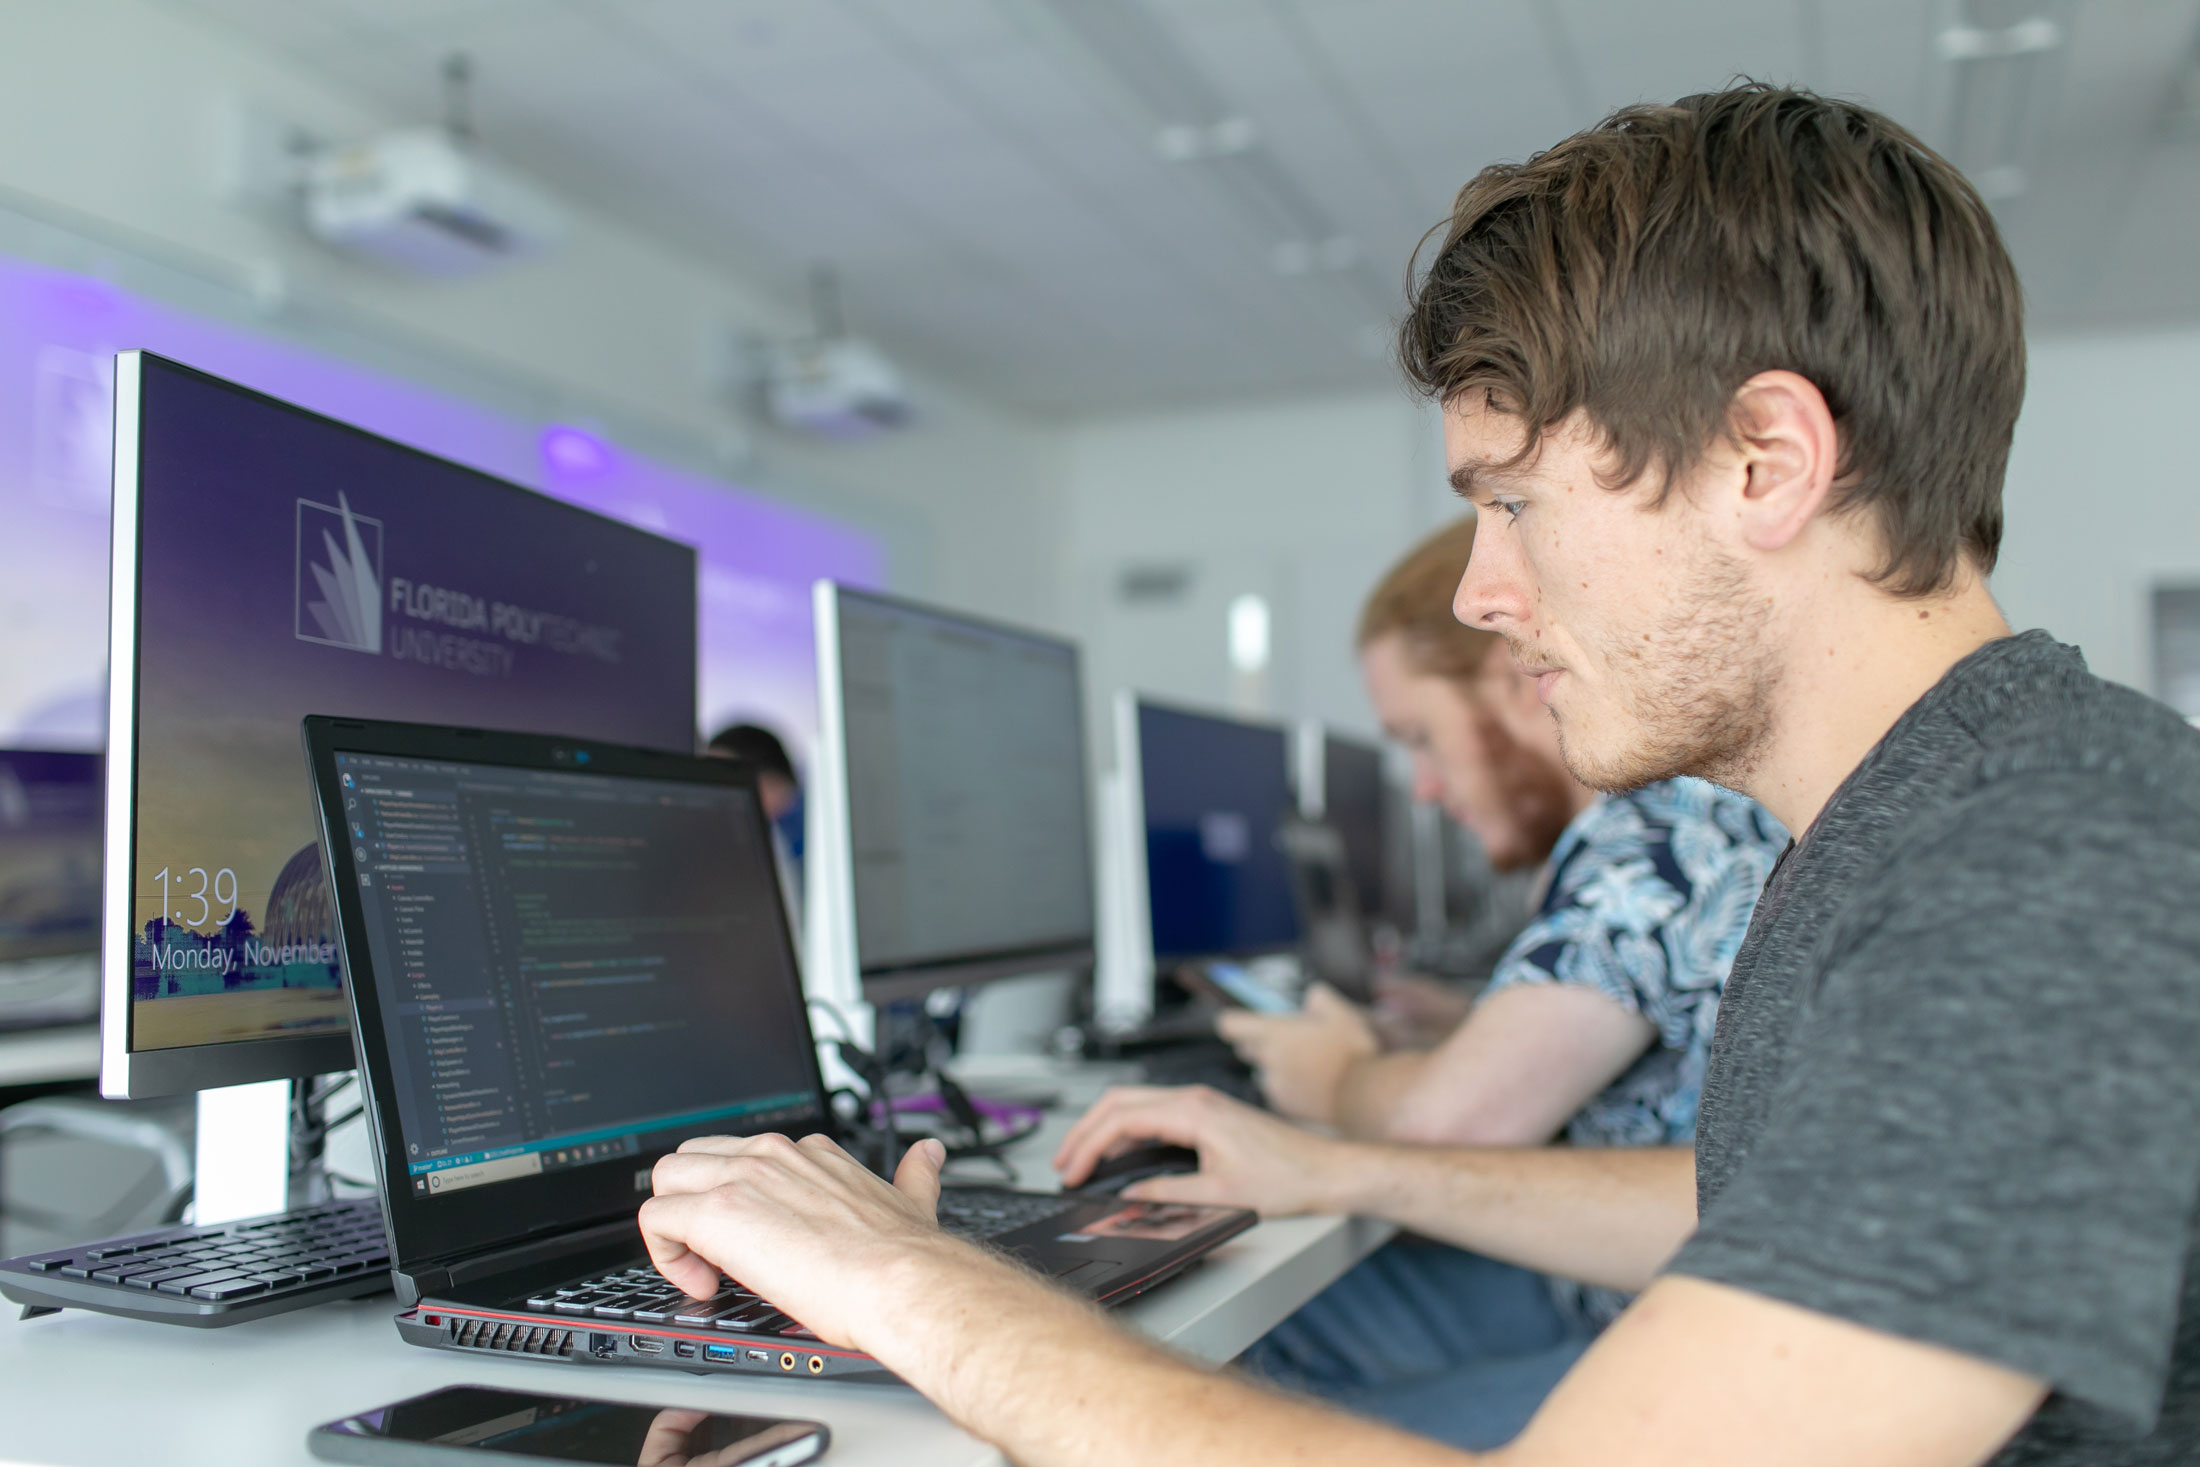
column 644, row 1345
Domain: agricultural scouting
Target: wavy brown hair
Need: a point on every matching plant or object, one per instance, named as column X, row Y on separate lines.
column 1640, row 272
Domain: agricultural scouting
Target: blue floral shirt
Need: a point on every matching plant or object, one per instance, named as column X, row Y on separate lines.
column 1649, row 896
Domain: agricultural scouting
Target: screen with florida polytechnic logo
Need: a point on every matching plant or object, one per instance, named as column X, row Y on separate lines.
column 289, row 564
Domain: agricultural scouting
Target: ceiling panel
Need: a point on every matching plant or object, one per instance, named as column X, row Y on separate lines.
column 995, row 198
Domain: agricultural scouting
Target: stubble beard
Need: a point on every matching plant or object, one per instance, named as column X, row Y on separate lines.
column 1695, row 699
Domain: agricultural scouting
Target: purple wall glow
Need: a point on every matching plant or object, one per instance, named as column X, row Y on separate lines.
column 58, row 336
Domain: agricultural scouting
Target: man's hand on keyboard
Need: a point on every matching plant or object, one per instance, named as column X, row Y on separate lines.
column 1247, row 1157
column 801, row 1223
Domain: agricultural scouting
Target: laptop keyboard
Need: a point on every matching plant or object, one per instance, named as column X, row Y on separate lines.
column 979, row 1213
column 267, row 1263
column 641, row 1295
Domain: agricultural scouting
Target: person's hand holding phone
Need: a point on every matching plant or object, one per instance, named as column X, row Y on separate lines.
column 1302, row 1057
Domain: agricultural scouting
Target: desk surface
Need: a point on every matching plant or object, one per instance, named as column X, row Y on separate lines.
column 82, row 1390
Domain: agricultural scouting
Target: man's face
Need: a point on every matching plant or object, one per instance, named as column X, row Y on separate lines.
column 1645, row 637
column 1468, row 757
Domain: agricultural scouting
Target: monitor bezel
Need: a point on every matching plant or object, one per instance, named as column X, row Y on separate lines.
column 1131, row 759
column 440, row 1230
column 836, row 948
column 125, row 1072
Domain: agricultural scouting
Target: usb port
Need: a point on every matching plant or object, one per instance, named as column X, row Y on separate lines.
column 644, row 1345
column 683, row 1349
column 760, row 1357
column 721, row 1352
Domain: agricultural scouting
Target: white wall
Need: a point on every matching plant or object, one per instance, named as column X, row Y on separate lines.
column 1305, row 502
column 113, row 113
column 1308, row 501
column 2104, row 492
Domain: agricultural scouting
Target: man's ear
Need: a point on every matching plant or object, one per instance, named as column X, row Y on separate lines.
column 1789, row 451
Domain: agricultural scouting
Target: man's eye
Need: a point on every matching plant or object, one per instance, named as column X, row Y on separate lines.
column 1509, row 507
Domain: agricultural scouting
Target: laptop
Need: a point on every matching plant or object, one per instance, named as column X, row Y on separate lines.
column 564, row 959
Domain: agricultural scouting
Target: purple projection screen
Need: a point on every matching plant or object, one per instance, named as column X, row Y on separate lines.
column 58, row 336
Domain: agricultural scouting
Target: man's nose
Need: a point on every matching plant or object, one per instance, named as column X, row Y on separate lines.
column 1490, row 595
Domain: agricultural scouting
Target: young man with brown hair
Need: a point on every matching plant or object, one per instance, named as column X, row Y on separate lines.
column 1732, row 383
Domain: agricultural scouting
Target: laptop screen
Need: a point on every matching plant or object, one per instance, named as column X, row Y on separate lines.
column 571, row 969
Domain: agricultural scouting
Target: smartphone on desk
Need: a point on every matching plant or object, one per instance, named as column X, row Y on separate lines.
column 488, row 1428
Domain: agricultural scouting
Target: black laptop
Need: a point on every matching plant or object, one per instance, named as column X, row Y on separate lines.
column 563, row 960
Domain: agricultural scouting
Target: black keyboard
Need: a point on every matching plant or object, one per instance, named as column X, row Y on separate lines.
column 224, row 1274
column 640, row 1295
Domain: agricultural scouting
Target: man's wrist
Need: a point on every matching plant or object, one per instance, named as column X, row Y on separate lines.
column 922, row 1291
column 1340, row 1177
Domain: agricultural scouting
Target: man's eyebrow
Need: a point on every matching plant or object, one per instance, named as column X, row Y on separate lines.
column 1471, row 478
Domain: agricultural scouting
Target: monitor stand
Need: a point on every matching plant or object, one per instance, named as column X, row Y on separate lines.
column 261, row 1149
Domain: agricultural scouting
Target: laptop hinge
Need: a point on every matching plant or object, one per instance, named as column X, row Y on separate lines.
column 492, row 1261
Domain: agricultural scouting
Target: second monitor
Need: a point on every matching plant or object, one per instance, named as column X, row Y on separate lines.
column 950, row 838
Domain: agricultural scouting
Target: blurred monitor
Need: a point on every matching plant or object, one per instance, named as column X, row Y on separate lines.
column 1405, row 853
column 49, row 888
column 1343, row 783
column 951, row 837
column 268, row 563
column 1212, row 795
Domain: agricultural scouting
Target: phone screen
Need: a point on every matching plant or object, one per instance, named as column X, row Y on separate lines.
column 1238, row 982
column 530, row 1427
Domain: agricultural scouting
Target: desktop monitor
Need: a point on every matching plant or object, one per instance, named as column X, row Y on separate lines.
column 1212, row 796
column 49, row 887
column 1343, row 784
column 951, row 831
column 267, row 563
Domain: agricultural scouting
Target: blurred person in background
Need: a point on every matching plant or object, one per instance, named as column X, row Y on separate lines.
column 1595, row 1025
column 780, row 789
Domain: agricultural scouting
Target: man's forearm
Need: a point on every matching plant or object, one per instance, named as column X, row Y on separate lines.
column 1368, row 1092
column 1052, row 1383
column 1603, row 1216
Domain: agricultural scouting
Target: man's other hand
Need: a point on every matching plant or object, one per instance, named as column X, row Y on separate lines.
column 1302, row 1057
column 1247, row 1158
column 800, row 1222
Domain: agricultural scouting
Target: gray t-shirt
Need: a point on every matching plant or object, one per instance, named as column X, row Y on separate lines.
column 1954, row 1092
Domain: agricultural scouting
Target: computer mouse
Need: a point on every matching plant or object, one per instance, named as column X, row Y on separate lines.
column 1154, row 1159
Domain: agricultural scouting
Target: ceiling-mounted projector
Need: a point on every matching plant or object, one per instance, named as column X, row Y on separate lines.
column 837, row 387
column 423, row 201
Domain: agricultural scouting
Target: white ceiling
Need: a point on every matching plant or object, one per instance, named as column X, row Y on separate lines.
column 986, row 178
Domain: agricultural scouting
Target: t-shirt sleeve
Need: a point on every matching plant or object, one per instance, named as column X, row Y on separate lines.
column 1988, row 1133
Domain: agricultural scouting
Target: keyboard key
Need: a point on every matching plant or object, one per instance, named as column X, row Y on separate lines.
column 47, row 1265
column 181, row 1283
column 230, row 1288
column 155, row 1280
column 281, row 1278
column 709, row 1311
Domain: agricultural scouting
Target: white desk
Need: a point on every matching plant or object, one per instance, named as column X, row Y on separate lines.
column 86, row 1390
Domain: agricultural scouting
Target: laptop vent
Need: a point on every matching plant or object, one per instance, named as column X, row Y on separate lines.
column 518, row 1339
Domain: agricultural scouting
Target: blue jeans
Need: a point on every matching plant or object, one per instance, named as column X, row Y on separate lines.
column 1429, row 1338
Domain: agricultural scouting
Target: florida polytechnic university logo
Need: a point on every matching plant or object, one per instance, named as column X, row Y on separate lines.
column 339, row 577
